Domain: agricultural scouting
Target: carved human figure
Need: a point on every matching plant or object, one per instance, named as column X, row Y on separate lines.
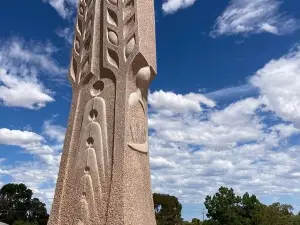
column 138, row 113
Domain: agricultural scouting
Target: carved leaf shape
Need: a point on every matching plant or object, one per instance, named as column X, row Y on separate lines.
column 112, row 37
column 113, row 58
column 77, row 45
column 81, row 9
column 74, row 69
column 87, row 42
column 112, row 17
column 130, row 46
column 85, row 66
column 79, row 26
column 88, row 2
column 89, row 23
column 128, row 8
column 114, row 2
column 129, row 25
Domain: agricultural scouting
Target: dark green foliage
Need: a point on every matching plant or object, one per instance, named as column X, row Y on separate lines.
column 276, row 214
column 295, row 220
column 38, row 212
column 210, row 222
column 167, row 209
column 226, row 208
column 17, row 205
column 195, row 221
column 14, row 202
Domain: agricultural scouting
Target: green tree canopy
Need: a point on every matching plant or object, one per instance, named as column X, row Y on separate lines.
column 195, row 221
column 226, row 208
column 276, row 214
column 295, row 220
column 16, row 204
column 167, row 209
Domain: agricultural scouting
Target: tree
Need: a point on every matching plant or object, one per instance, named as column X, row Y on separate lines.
column 16, row 204
column 295, row 220
column 186, row 223
column 276, row 214
column 209, row 222
column 167, row 209
column 223, row 207
column 250, row 208
column 195, row 221
column 228, row 209
column 37, row 212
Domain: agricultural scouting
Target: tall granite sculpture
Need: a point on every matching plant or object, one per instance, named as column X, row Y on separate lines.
column 104, row 176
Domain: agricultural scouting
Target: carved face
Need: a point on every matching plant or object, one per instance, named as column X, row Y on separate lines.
column 143, row 77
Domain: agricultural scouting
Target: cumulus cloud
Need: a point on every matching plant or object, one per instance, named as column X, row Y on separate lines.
column 170, row 103
column 20, row 65
column 279, row 84
column 40, row 55
column 31, row 142
column 54, row 132
column 32, row 173
column 253, row 16
column 17, row 137
column 241, row 146
column 26, row 93
column 196, row 146
column 172, row 6
column 65, row 8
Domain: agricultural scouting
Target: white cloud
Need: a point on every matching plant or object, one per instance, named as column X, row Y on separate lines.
column 196, row 146
column 35, row 53
column 21, row 63
column 170, row 103
column 66, row 33
column 32, row 173
column 17, row 137
column 279, row 84
column 65, row 8
column 172, row 6
column 233, row 92
column 253, row 16
column 239, row 146
column 228, row 127
column 54, row 132
column 269, row 28
column 239, row 113
column 26, row 93
column 31, row 142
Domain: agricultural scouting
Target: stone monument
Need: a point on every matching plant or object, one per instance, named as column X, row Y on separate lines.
column 104, row 176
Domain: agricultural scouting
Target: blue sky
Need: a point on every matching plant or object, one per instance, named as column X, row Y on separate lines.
column 224, row 107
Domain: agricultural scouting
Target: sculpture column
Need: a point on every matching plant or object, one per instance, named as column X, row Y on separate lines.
column 104, row 176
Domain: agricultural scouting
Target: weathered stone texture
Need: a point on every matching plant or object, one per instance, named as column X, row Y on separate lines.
column 104, row 176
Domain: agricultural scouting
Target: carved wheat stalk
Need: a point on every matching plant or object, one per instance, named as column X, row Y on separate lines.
column 120, row 30
column 82, row 43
